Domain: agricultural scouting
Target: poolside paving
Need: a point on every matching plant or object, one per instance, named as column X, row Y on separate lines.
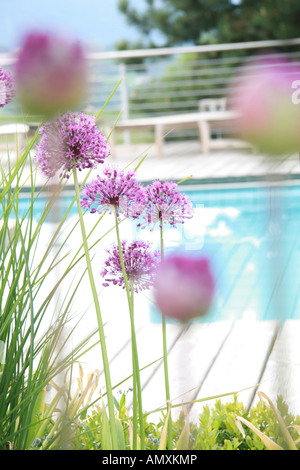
column 186, row 159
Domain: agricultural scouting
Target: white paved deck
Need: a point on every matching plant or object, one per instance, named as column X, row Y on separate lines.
column 186, row 159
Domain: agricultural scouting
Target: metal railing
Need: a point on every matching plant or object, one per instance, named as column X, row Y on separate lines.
column 168, row 80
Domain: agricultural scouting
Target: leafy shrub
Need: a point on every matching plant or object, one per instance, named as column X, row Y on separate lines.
column 216, row 428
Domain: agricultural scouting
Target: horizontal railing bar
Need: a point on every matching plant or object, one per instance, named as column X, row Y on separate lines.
column 204, row 93
column 171, row 84
column 169, row 105
column 190, row 49
column 149, row 92
column 156, row 103
column 163, row 81
column 219, row 69
column 197, row 72
column 102, row 95
column 157, row 91
column 200, row 71
column 205, row 62
column 183, row 94
column 166, row 51
column 188, row 72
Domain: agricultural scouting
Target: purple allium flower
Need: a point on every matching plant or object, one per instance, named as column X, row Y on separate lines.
column 263, row 98
column 71, row 140
column 166, row 204
column 7, row 87
column 184, row 287
column 51, row 73
column 140, row 265
column 114, row 191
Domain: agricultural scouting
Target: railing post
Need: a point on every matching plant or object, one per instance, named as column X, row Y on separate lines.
column 124, row 99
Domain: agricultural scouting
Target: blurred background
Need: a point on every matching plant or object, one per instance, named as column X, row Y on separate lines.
column 151, row 23
column 167, row 52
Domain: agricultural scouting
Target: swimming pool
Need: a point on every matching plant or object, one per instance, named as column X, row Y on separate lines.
column 252, row 236
column 254, row 243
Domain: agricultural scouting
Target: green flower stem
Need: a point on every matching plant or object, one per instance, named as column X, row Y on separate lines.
column 165, row 355
column 135, row 372
column 99, row 319
column 135, row 362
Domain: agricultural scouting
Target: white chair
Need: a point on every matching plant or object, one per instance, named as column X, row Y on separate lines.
column 212, row 104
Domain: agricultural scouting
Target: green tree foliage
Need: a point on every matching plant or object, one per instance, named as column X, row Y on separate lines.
column 217, row 21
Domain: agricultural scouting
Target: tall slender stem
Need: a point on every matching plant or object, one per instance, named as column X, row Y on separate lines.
column 134, row 363
column 137, row 394
column 110, row 401
column 165, row 354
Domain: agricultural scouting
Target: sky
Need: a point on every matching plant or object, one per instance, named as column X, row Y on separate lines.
column 96, row 23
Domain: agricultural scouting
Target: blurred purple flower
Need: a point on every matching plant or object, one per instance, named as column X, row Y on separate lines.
column 69, row 141
column 140, row 265
column 268, row 118
column 166, row 204
column 7, row 87
column 184, row 287
column 114, row 191
column 51, row 74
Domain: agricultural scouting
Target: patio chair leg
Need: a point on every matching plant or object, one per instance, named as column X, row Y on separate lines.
column 204, row 135
column 159, row 139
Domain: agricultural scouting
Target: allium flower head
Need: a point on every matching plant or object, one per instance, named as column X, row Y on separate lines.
column 114, row 191
column 50, row 73
column 140, row 262
column 184, row 287
column 69, row 141
column 166, row 204
column 263, row 99
column 7, row 87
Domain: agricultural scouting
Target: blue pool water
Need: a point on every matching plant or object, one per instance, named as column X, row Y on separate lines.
column 252, row 236
column 254, row 244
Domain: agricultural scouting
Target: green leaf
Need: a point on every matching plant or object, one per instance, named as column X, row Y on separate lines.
column 36, row 418
column 164, row 433
column 288, row 438
column 270, row 445
column 122, row 401
column 183, row 440
column 105, row 431
column 101, row 110
column 120, row 435
column 117, row 405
